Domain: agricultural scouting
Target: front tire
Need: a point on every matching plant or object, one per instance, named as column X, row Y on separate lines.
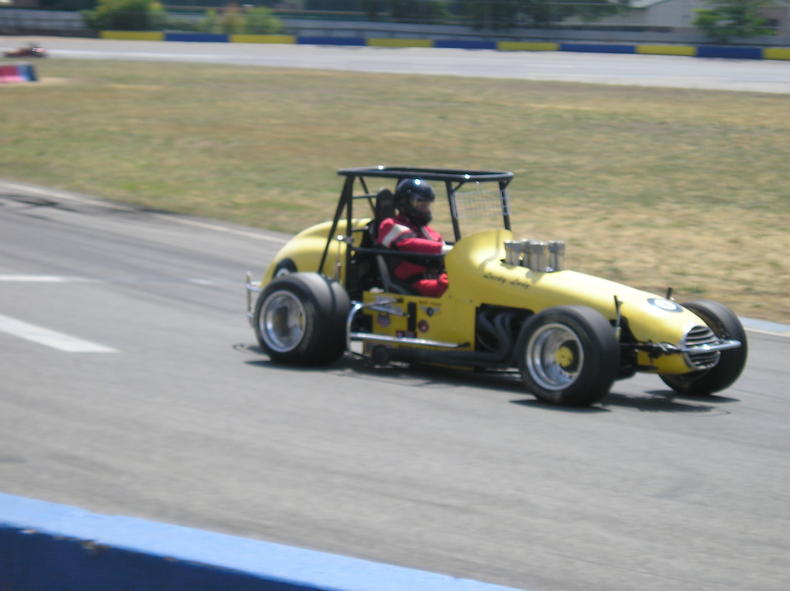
column 284, row 267
column 568, row 355
column 300, row 318
column 725, row 325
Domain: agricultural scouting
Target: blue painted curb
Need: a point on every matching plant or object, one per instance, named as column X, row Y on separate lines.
column 597, row 48
column 46, row 546
column 744, row 53
column 461, row 44
column 351, row 41
column 197, row 37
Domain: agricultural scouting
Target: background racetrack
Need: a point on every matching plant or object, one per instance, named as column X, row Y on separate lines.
column 182, row 419
column 638, row 70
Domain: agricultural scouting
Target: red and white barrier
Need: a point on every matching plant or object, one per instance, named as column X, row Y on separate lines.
column 11, row 73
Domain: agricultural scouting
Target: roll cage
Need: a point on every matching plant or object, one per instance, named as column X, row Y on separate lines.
column 356, row 188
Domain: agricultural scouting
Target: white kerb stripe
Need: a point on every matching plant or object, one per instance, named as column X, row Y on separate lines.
column 50, row 338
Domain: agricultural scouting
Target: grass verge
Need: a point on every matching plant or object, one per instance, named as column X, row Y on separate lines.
column 651, row 187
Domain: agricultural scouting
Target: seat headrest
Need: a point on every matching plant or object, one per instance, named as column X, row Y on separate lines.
column 385, row 204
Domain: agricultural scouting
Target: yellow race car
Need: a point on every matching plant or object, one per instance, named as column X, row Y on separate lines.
column 510, row 304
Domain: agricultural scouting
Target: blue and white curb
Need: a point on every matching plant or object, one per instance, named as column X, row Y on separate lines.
column 46, row 546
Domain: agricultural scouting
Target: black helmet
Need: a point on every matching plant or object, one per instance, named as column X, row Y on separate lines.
column 408, row 193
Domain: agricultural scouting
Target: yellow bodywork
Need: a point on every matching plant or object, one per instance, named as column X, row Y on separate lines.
column 305, row 250
column 479, row 276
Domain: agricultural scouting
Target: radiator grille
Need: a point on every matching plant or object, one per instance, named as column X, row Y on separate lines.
column 696, row 337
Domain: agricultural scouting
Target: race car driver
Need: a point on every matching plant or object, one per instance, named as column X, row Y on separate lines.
column 409, row 232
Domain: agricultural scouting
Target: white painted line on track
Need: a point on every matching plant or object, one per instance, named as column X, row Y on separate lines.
column 50, row 338
column 33, row 279
column 7, row 278
column 22, row 278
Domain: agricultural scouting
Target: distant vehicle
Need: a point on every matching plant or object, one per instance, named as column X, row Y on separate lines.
column 510, row 304
column 31, row 50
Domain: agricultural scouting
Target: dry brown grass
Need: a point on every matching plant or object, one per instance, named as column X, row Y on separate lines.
column 653, row 187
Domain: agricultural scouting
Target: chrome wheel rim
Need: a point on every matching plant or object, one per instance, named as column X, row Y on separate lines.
column 282, row 321
column 554, row 357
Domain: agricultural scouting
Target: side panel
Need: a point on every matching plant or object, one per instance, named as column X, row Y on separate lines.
column 437, row 319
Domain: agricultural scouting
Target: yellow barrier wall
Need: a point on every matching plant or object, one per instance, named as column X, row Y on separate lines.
column 527, row 46
column 777, row 53
column 133, row 35
column 667, row 49
column 392, row 42
column 262, row 39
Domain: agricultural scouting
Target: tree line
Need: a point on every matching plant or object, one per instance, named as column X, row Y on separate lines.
column 721, row 20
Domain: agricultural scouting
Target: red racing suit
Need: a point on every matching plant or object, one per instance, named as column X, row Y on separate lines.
column 402, row 234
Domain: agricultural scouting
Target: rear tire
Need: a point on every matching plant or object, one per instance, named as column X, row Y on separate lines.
column 725, row 325
column 300, row 318
column 568, row 355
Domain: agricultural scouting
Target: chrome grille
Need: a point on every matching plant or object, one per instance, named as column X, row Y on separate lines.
column 697, row 355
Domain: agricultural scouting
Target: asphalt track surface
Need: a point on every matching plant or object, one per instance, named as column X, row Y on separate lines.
column 132, row 385
column 639, row 70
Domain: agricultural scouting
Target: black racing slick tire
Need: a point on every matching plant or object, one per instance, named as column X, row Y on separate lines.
column 300, row 319
column 568, row 355
column 725, row 325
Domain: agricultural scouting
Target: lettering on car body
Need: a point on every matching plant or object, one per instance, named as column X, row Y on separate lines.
column 505, row 281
